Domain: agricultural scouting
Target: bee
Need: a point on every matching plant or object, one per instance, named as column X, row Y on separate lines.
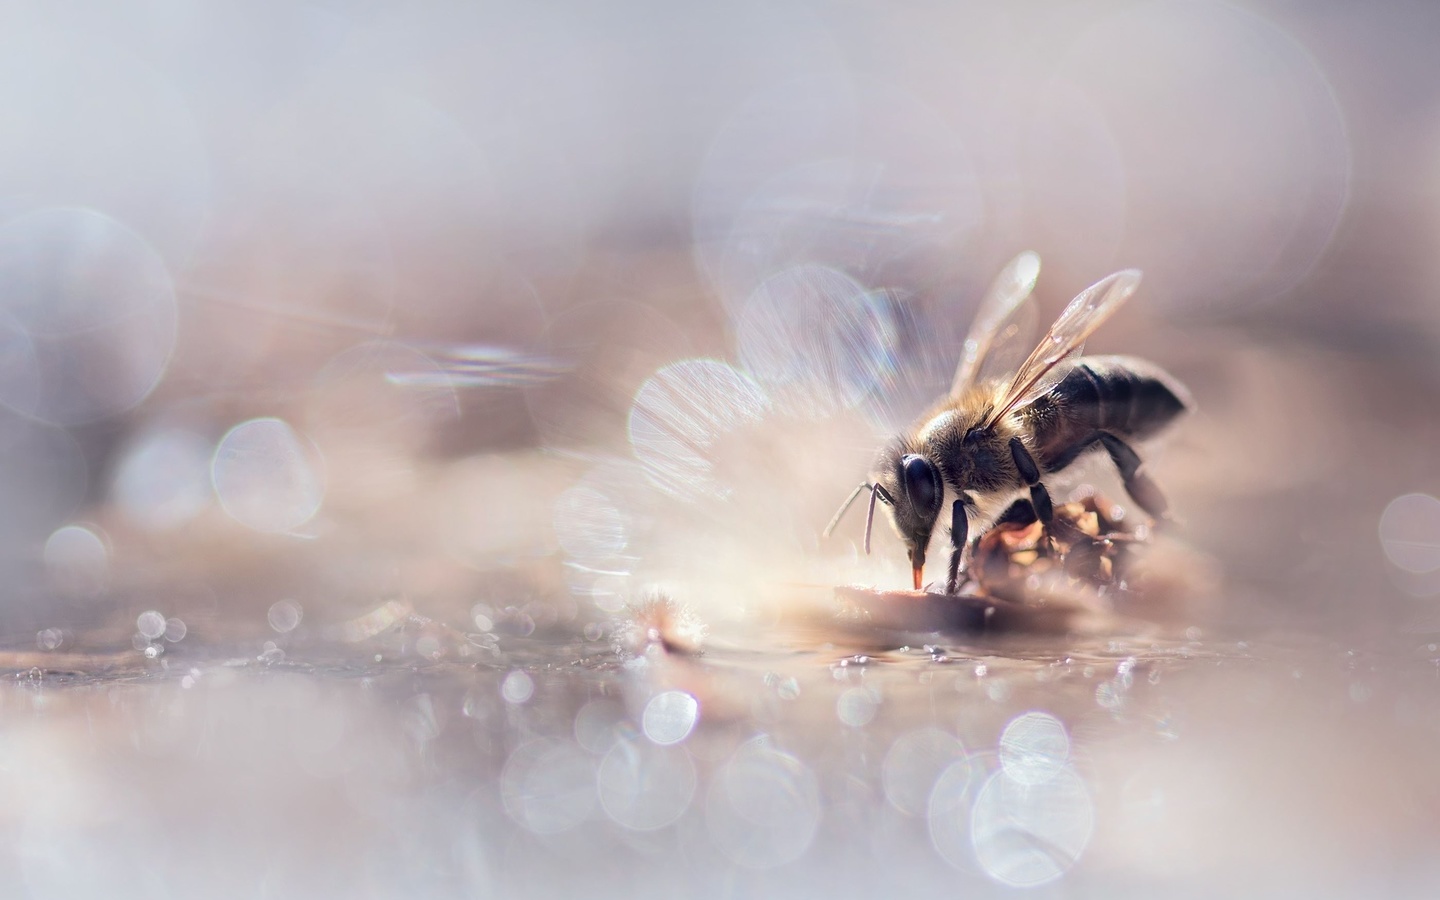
column 987, row 445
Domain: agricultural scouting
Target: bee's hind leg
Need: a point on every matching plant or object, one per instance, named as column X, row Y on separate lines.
column 1039, row 495
column 1141, row 488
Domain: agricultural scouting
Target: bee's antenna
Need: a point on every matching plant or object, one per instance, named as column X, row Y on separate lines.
column 870, row 516
column 876, row 492
column 835, row 520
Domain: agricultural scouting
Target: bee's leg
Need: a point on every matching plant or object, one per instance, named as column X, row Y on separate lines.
column 1019, row 514
column 1039, row 496
column 959, row 533
column 1137, row 483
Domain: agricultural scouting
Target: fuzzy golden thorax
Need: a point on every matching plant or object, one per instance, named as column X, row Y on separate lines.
column 973, row 462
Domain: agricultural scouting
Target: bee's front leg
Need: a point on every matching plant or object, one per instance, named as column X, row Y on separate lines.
column 959, row 533
column 1039, row 495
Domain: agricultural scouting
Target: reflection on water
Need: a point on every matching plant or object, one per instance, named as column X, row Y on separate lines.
column 536, row 767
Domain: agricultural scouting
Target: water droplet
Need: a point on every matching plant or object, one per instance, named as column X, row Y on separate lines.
column 517, row 687
column 548, row 786
column 429, row 646
column 857, row 706
column 669, row 717
column 267, row 476
column 596, row 724
column 1033, row 747
column 90, row 315
column 77, row 560
column 947, row 810
column 151, row 624
column 1410, row 533
column 763, row 807
column 515, row 622
column 175, row 630
column 1028, row 834
column 914, row 763
column 643, row 787
column 284, row 616
column 50, row 639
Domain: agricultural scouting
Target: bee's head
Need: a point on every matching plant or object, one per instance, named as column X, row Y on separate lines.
column 911, row 486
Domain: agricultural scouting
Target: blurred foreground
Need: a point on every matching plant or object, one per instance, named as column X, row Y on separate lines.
column 782, row 767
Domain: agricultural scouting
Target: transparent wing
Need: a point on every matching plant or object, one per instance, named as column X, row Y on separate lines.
column 1000, row 321
column 1012, row 342
column 1087, row 312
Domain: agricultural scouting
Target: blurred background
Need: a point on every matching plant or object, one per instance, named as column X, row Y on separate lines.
column 364, row 365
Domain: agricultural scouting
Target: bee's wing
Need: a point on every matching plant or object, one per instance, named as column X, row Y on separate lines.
column 1066, row 337
column 1000, row 321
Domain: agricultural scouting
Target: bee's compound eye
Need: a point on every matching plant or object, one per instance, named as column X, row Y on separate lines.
column 922, row 484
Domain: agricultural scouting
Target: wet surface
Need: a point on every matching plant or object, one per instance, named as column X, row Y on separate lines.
column 521, row 767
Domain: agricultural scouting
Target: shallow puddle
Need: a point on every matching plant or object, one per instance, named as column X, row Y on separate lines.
column 533, row 767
